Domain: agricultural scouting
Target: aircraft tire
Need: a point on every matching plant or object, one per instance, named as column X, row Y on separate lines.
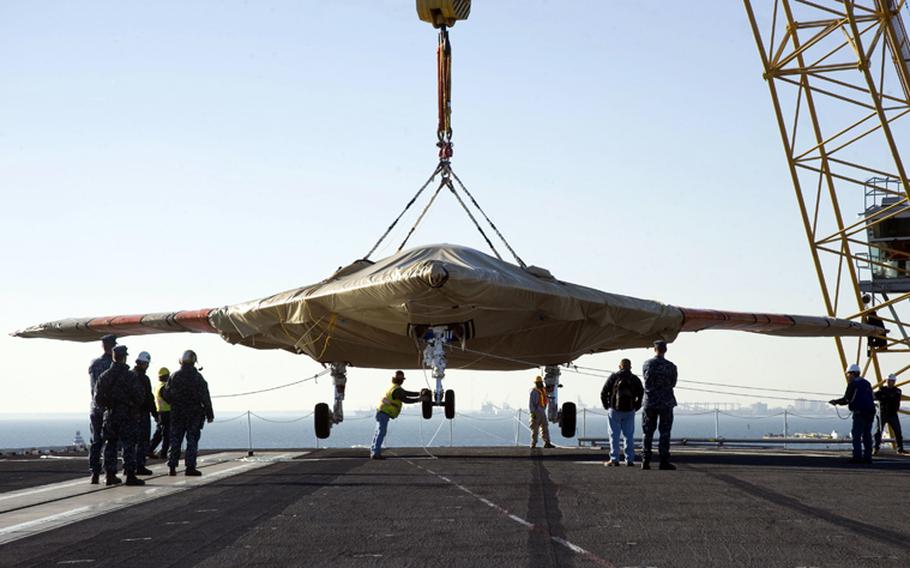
column 426, row 407
column 323, row 420
column 567, row 424
column 450, row 404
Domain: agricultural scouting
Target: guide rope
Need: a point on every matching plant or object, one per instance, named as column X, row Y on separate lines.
column 286, row 385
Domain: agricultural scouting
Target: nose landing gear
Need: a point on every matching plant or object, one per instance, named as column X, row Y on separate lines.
column 434, row 356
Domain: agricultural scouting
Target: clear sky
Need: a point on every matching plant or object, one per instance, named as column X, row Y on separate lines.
column 178, row 155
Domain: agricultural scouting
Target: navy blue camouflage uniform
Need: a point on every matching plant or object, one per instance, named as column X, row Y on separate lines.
column 119, row 393
column 143, row 423
column 659, row 380
column 188, row 394
column 96, row 414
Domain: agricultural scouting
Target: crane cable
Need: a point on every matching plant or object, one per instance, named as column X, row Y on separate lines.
column 444, row 89
column 444, row 168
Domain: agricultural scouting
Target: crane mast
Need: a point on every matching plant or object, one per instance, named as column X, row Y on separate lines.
column 837, row 73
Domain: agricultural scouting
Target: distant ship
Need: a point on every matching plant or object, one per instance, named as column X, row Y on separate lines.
column 78, row 442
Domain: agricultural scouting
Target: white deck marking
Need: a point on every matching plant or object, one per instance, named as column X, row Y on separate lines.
column 36, row 510
column 515, row 518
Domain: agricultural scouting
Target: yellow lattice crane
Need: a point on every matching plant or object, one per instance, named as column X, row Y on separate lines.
column 837, row 72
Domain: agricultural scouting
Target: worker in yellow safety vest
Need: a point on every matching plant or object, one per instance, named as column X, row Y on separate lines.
column 537, row 406
column 389, row 408
column 163, row 431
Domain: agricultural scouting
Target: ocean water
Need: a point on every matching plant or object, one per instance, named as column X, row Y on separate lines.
column 263, row 430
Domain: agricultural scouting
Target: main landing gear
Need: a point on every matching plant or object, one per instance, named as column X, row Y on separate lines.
column 323, row 418
column 434, row 357
column 564, row 417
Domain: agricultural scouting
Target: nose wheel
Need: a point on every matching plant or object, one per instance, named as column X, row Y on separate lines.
column 448, row 404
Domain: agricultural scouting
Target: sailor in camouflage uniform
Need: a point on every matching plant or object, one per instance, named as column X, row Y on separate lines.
column 188, row 394
column 660, row 378
column 96, row 414
column 120, row 395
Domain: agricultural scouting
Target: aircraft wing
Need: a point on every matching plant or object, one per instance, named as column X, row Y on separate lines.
column 776, row 324
column 506, row 317
column 92, row 329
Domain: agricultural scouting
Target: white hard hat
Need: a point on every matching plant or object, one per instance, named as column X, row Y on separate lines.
column 853, row 368
column 144, row 357
column 892, row 377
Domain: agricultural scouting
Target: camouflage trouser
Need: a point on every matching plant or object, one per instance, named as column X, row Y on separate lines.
column 539, row 421
column 189, row 425
column 119, row 429
column 660, row 419
column 96, row 419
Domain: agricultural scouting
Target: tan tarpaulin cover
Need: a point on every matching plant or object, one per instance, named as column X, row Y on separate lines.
column 518, row 318
column 363, row 316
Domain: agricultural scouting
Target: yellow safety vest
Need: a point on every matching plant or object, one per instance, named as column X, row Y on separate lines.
column 542, row 393
column 162, row 404
column 389, row 405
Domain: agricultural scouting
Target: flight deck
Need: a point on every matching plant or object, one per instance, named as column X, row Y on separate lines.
column 463, row 507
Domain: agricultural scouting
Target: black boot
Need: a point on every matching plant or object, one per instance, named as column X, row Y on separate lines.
column 112, row 479
column 192, row 472
column 95, row 478
column 131, row 479
column 144, row 471
column 172, row 471
column 665, row 464
column 646, row 463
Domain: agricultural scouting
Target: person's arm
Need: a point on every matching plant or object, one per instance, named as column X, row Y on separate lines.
column 639, row 391
column 406, row 396
column 607, row 391
column 848, row 396
column 674, row 373
column 532, row 401
column 207, row 402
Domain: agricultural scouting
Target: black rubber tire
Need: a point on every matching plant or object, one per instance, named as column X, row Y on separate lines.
column 322, row 420
column 567, row 425
column 450, row 404
column 427, row 408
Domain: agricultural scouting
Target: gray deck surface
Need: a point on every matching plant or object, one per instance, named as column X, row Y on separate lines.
column 500, row 507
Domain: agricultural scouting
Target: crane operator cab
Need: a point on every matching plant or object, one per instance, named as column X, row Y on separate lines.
column 887, row 218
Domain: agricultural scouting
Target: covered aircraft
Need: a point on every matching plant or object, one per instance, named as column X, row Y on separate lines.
column 445, row 306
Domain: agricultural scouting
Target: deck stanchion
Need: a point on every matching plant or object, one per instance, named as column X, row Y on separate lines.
column 786, row 429
column 584, row 422
column 717, row 425
column 249, row 425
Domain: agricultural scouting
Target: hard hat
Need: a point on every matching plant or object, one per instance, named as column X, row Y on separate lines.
column 892, row 377
column 853, row 368
column 163, row 372
column 144, row 357
column 188, row 357
column 538, row 379
column 109, row 339
column 120, row 350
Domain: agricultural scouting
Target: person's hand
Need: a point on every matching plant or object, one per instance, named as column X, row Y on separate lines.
column 210, row 420
column 833, row 402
